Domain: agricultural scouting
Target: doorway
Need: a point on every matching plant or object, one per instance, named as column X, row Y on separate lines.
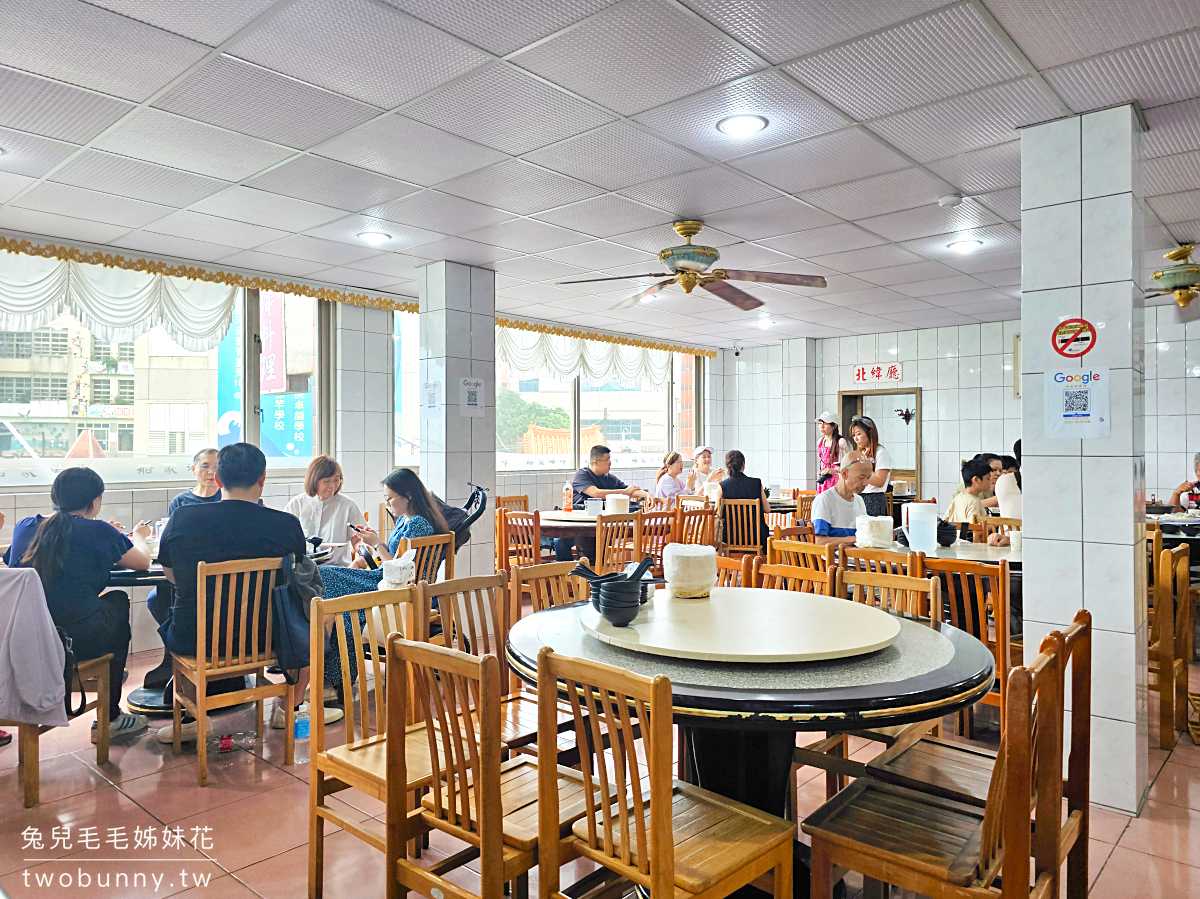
column 897, row 416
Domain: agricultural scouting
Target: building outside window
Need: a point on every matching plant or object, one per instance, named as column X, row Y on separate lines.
column 534, row 422
column 101, row 390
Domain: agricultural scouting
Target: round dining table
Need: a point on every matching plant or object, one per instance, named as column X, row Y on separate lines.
column 740, row 719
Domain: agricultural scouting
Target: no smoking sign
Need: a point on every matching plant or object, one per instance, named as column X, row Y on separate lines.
column 1073, row 338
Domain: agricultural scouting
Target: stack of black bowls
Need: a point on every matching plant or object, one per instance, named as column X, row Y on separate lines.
column 620, row 601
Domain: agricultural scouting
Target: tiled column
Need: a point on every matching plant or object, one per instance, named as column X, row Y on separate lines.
column 363, row 416
column 1084, row 500
column 799, row 412
column 458, row 341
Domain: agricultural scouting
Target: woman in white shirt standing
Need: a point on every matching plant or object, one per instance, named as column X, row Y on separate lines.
column 323, row 510
column 667, row 483
column 866, row 441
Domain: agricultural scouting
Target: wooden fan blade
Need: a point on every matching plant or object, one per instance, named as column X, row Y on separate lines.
column 731, row 294
column 649, row 291
column 618, row 278
column 776, row 278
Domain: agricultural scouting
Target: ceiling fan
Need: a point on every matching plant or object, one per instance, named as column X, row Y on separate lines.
column 688, row 266
column 1181, row 280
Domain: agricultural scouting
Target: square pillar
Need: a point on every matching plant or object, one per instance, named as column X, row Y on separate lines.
column 1084, row 499
column 458, row 343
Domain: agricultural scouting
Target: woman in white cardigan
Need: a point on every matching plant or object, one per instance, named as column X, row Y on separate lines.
column 323, row 510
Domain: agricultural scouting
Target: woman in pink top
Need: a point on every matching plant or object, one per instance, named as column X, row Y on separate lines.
column 831, row 448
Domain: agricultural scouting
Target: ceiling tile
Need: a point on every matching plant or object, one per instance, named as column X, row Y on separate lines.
column 992, row 168
column 866, row 258
column 210, row 228
column 347, row 230
column 780, row 30
column 905, row 274
column 441, row 212
column 616, row 156
column 791, row 114
column 63, row 199
column 544, row 293
column 973, row 263
column 501, row 26
column 1054, row 33
column 210, row 22
column 952, row 285
column 260, row 207
column 507, row 109
column 276, row 265
column 877, row 195
column 819, row 241
column 351, row 277
column 605, row 215
column 468, row 252
column 891, row 307
column 598, row 254
column 26, row 154
column 45, row 107
column 821, row 161
column 134, row 178
column 920, row 61
column 301, row 246
column 30, row 221
column 924, row 221
column 770, row 218
column 527, row 236
column 405, row 289
column 519, row 187
column 1168, row 174
column 855, row 299
column 169, row 245
column 1007, row 277
column 535, row 268
column 243, row 97
column 11, row 185
column 1005, row 203
column 749, row 256
column 968, row 121
column 331, row 183
column 394, row 145
column 157, row 136
column 1186, row 231
column 1173, row 129
column 1180, row 207
column 960, row 299
column 658, row 237
column 358, row 48
column 995, row 238
column 701, row 192
column 73, row 42
column 394, row 265
column 1156, row 73
column 637, row 55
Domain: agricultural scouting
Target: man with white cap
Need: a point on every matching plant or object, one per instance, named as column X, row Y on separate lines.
column 701, row 478
column 832, row 448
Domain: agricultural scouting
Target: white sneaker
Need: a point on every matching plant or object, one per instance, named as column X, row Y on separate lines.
column 187, row 733
column 126, row 724
column 279, row 717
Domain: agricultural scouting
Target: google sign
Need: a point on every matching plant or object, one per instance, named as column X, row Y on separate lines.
column 1086, row 377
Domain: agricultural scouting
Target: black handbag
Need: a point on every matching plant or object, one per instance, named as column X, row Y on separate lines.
column 71, row 676
column 289, row 625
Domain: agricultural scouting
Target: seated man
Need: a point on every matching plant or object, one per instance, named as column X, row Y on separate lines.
column 593, row 481
column 237, row 527
column 977, row 477
column 834, row 512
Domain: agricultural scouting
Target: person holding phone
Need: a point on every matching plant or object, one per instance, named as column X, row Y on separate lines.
column 325, row 512
column 1187, row 495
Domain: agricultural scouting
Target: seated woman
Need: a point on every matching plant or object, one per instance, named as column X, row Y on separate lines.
column 207, row 490
column 325, row 512
column 701, row 477
column 738, row 486
column 667, row 483
column 73, row 553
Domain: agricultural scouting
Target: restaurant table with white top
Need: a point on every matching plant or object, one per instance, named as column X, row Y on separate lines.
column 973, row 552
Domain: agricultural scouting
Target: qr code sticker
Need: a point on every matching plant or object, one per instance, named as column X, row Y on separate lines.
column 1077, row 402
column 472, row 397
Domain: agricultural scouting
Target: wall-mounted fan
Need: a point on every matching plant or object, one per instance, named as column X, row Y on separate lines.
column 689, row 265
column 1181, row 280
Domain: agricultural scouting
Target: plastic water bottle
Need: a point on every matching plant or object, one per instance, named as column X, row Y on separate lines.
column 300, row 731
column 568, row 497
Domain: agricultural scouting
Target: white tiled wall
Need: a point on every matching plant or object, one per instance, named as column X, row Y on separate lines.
column 363, row 415
column 1172, row 400
column 544, row 488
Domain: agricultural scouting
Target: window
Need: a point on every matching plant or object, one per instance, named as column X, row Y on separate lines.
column 125, row 390
column 101, row 390
column 16, row 344
column 15, row 390
column 47, row 342
column 102, row 350
column 97, row 433
column 125, row 438
column 49, row 388
column 406, row 374
column 174, row 429
column 125, row 352
column 630, row 421
column 288, row 328
column 534, row 425
column 683, row 402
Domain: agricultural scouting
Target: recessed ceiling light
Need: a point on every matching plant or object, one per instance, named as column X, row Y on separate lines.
column 970, row 245
column 373, row 238
column 2, row 151
column 741, row 125
column 765, row 324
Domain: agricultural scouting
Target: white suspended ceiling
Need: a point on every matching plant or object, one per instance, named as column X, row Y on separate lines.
column 557, row 139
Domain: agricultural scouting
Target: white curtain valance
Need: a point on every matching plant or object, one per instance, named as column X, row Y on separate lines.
column 113, row 304
column 531, row 354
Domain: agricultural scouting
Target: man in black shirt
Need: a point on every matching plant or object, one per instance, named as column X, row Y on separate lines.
column 593, row 481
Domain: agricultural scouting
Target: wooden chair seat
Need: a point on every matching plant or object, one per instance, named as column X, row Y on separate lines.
column 957, row 771
column 365, row 761
column 713, row 836
column 906, row 828
column 519, row 719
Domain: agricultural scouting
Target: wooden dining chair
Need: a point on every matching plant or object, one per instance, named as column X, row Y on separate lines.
column 736, row 571
column 797, row 578
column 523, row 538
column 804, row 506
column 692, row 502
column 970, row 591
column 994, row 524
column 432, row 551
column 360, row 626
column 668, row 837
column 236, row 642
column 548, row 586
column 1154, row 548
column 881, row 561
column 889, row 507
column 742, row 523
column 696, row 525
column 915, row 597
column 822, row 556
column 782, row 519
column 939, row 847
column 657, row 530
column 654, row 504
column 618, row 538
column 516, row 502
column 1170, row 642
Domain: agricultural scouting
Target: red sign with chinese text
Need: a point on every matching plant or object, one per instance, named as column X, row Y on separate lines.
column 878, row 373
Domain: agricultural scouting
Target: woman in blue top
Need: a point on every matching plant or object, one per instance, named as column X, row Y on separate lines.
column 73, row 552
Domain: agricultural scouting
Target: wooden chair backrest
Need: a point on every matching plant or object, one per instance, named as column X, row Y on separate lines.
column 233, row 613
column 1075, row 651
column 783, row 519
column 1154, row 548
column 993, row 524
column 475, row 613
column 362, row 621
column 431, row 552
column 618, row 538
column 658, row 529
column 801, row 553
column 691, row 502
column 696, row 525
column 801, row 532
column 635, row 833
column 548, row 585
column 654, row 504
column 458, row 696
column 386, row 522
column 969, row 589
column 517, row 502
column 889, row 507
column 742, row 519
column 919, row 597
column 523, row 536
column 797, row 578
column 736, row 571
column 1172, row 625
column 804, row 506
column 881, row 561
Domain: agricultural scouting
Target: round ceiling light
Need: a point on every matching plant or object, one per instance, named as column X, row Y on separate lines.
column 741, row 125
column 969, row 245
column 373, row 238
column 765, row 324
column 2, row 151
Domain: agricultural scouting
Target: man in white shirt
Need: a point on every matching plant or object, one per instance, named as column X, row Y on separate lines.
column 834, row 512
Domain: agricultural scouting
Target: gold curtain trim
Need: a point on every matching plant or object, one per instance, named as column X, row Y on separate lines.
column 540, row 328
column 154, row 267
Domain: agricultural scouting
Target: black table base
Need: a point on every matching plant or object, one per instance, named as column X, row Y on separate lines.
column 157, row 701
